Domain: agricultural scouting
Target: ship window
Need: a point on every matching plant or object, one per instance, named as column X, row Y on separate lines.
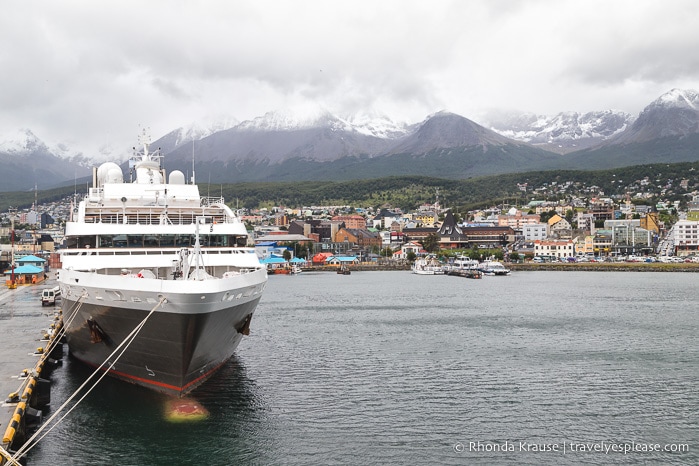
column 181, row 241
column 167, row 241
column 120, row 241
column 151, row 241
column 135, row 241
column 217, row 241
column 86, row 241
column 106, row 241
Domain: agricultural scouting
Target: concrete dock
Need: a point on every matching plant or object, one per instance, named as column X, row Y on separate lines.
column 24, row 325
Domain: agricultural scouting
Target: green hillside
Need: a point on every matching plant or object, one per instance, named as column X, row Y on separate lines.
column 410, row 191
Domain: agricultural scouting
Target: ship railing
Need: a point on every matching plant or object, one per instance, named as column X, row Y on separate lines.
column 151, row 251
column 158, row 216
column 134, row 258
column 209, row 201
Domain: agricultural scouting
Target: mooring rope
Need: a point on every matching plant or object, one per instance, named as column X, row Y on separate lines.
column 28, row 445
column 8, row 456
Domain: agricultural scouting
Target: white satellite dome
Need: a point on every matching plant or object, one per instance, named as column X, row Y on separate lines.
column 176, row 177
column 115, row 175
column 109, row 172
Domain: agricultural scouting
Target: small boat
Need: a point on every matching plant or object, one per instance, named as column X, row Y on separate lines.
column 343, row 270
column 427, row 267
column 491, row 267
column 463, row 266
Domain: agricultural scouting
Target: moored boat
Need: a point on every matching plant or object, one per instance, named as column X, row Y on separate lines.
column 423, row 266
column 156, row 258
column 492, row 267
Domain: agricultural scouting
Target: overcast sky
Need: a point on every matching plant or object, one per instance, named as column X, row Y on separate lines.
column 90, row 72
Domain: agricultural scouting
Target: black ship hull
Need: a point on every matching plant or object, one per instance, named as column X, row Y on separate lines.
column 173, row 353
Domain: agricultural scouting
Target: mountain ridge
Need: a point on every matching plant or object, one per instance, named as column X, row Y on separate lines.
column 322, row 145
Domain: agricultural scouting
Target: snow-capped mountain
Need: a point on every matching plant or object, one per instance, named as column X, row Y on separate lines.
column 26, row 161
column 194, row 132
column 374, row 124
column 675, row 113
column 315, row 143
column 21, row 143
column 564, row 132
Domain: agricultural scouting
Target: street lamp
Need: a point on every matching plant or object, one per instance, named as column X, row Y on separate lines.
column 13, row 284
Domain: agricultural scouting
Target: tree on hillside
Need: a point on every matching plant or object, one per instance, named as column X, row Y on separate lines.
column 546, row 216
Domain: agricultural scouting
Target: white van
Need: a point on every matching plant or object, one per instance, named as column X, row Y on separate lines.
column 49, row 295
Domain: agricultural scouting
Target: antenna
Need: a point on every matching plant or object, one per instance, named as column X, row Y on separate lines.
column 193, row 179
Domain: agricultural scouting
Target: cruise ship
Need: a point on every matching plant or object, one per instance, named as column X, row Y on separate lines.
column 158, row 284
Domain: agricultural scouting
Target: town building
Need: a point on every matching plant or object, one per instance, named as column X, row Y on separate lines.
column 559, row 249
column 351, row 221
column 516, row 219
column 535, row 231
column 686, row 237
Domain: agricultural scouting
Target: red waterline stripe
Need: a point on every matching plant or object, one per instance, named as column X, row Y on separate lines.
column 161, row 384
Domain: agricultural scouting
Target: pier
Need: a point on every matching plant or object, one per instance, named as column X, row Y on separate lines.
column 28, row 355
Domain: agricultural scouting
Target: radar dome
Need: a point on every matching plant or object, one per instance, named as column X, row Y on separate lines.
column 114, row 175
column 109, row 172
column 176, row 177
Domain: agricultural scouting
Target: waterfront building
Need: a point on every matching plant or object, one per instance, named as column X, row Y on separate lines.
column 686, row 237
column 629, row 238
column 559, row 249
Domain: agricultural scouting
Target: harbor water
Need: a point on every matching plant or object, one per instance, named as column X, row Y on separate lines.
column 393, row 368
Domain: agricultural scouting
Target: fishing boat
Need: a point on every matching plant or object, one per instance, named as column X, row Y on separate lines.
column 158, row 284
